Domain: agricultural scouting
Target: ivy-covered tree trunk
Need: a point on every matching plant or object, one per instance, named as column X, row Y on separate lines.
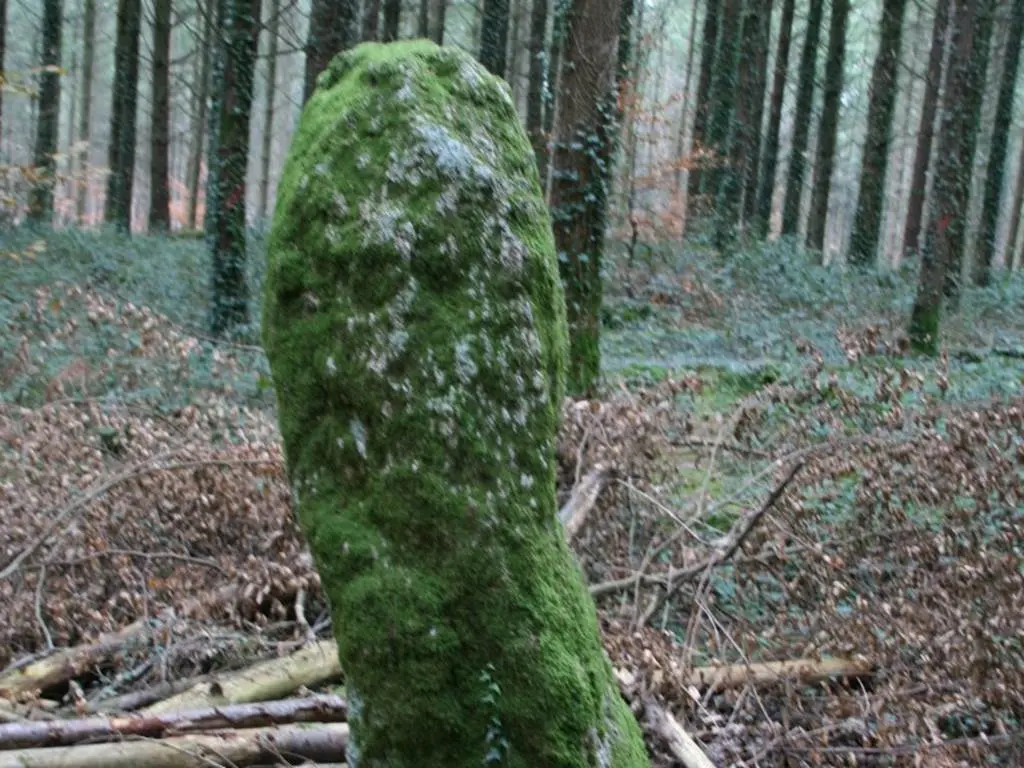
column 756, row 94
column 440, row 14
column 828, row 128
column 198, row 123
column 867, row 222
column 702, row 104
column 392, row 20
column 332, row 29
column 85, row 115
column 925, row 131
column 584, row 134
column 802, row 120
column 160, row 131
column 232, row 83
column 766, row 186
column 494, row 36
column 40, row 205
column 371, row 20
column 997, row 153
column 539, row 73
column 416, row 332
column 952, row 187
column 273, row 35
column 121, row 153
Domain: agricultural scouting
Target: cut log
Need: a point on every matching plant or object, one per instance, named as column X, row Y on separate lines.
column 323, row 744
column 679, row 742
column 62, row 733
column 764, row 673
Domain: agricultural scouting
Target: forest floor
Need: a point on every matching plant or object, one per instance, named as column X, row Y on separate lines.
column 783, row 483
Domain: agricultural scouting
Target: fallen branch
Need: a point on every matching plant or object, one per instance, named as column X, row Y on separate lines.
column 62, row 733
column 764, row 673
column 129, row 702
column 582, row 500
column 679, row 742
column 315, row 664
column 322, row 744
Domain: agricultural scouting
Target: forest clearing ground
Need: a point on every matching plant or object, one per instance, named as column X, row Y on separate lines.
column 899, row 540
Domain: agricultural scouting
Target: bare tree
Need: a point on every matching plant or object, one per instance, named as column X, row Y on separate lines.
column 118, row 207
column 85, row 116
column 40, row 208
column 766, row 187
column 331, row 30
column 273, row 35
column 160, row 131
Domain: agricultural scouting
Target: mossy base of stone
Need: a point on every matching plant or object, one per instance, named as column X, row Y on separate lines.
column 416, row 332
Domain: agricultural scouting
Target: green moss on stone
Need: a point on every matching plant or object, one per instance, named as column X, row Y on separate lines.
column 415, row 327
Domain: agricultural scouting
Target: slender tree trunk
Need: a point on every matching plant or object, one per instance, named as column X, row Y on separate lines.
column 1015, row 210
column 3, row 50
column 118, row 206
column 997, row 154
column 371, row 20
column 440, row 12
column 802, row 121
column 40, row 208
column 955, row 157
column 268, row 109
column 722, row 107
column 925, row 133
column 423, row 20
column 538, row 83
column 85, row 116
column 709, row 41
column 829, row 125
column 331, row 30
column 681, row 135
column 867, row 221
column 71, row 155
column 758, row 86
column 200, row 91
column 233, row 74
column 160, row 132
column 494, row 36
column 766, row 187
column 579, row 188
column 392, row 20
column 553, row 86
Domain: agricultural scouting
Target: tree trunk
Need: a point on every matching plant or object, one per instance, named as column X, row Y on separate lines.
column 766, row 187
column 997, row 154
column 160, row 133
column 867, row 221
column 709, row 40
column 234, row 68
column 70, row 155
column 758, row 85
column 85, row 116
column 1015, row 210
column 268, row 109
column 494, row 36
column 955, row 159
column 200, row 91
column 371, row 21
column 691, row 45
column 802, row 121
column 118, row 207
column 3, row 49
column 40, row 207
column 392, row 20
column 925, row 133
column 829, row 125
column 331, row 30
column 538, row 84
column 440, row 12
column 582, row 175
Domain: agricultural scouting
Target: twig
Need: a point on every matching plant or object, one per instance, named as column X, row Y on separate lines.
column 300, row 615
column 584, row 495
column 39, row 609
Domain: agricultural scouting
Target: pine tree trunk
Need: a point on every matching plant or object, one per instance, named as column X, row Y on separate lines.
column 371, row 21
column 494, row 36
column 392, row 20
column 1015, row 209
column 802, row 121
column 538, row 82
column 440, row 12
column 702, row 110
column 955, row 158
column 40, row 207
column 867, row 221
column 160, row 133
column 423, row 20
column 200, row 91
column 72, row 117
column 681, row 135
column 232, row 81
column 3, row 49
column 997, row 154
column 766, row 186
column 829, row 125
column 758, row 85
column 331, row 30
column 85, row 116
column 268, row 110
column 118, row 206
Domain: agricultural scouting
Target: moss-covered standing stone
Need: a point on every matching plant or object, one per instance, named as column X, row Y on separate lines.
column 416, row 331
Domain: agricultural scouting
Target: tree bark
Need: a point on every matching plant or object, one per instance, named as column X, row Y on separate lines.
column 802, row 121
column 997, row 154
column 40, row 208
column 200, row 91
column 423, row 20
column 392, row 20
column 371, row 21
column 440, row 13
column 234, row 67
column 829, row 125
column 766, row 186
column 331, row 30
column 867, row 221
column 160, row 132
column 85, row 116
column 758, row 86
column 1012, row 258
column 955, row 159
column 538, row 84
column 118, row 206
column 3, row 50
column 691, row 45
column 709, row 39
column 268, row 109
column 494, row 36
